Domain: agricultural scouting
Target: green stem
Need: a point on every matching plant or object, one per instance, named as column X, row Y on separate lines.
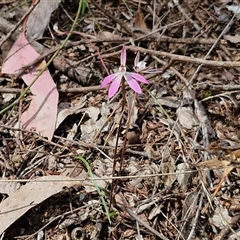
column 96, row 186
column 159, row 104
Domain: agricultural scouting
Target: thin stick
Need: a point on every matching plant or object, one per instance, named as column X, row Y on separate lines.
column 151, row 229
column 186, row 58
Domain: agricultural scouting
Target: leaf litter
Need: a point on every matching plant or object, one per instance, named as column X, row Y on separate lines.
column 180, row 173
column 30, row 195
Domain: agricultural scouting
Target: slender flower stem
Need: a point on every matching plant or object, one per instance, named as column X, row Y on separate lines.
column 131, row 109
column 128, row 124
column 115, row 182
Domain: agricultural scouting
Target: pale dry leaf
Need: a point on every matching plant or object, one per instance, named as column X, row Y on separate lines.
column 30, row 195
column 233, row 8
column 7, row 97
column 168, row 74
column 169, row 101
column 133, row 111
column 39, row 18
column 220, row 218
column 129, row 232
column 40, row 235
column 103, row 167
column 108, row 35
column 97, row 121
column 8, row 187
column 222, row 16
column 68, row 222
column 42, row 112
column 232, row 39
column 186, row 117
column 90, row 127
column 184, row 177
column 155, row 211
column 72, row 132
column 204, row 121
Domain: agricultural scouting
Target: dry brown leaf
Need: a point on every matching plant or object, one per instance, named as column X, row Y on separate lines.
column 214, row 163
column 139, row 20
column 30, row 195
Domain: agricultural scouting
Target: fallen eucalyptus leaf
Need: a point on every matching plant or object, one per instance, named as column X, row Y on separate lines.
column 30, row 195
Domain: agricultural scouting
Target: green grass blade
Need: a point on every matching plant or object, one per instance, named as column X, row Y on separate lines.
column 96, row 186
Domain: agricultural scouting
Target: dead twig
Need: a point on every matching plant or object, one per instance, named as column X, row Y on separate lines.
column 106, row 13
column 132, row 214
column 186, row 58
column 67, row 90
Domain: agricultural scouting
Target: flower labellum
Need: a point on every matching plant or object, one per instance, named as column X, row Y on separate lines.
column 115, row 79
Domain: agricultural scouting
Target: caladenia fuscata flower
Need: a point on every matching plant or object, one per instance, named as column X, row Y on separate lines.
column 116, row 79
column 140, row 66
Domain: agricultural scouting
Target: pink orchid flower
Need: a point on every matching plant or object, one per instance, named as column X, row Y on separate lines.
column 116, row 78
column 140, row 66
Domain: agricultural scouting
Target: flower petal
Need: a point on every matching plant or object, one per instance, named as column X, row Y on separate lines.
column 136, row 60
column 134, row 85
column 139, row 78
column 123, row 56
column 132, row 82
column 108, row 79
column 114, row 86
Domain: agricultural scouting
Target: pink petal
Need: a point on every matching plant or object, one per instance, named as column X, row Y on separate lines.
column 123, row 56
column 139, row 78
column 114, row 86
column 134, row 86
column 108, row 79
